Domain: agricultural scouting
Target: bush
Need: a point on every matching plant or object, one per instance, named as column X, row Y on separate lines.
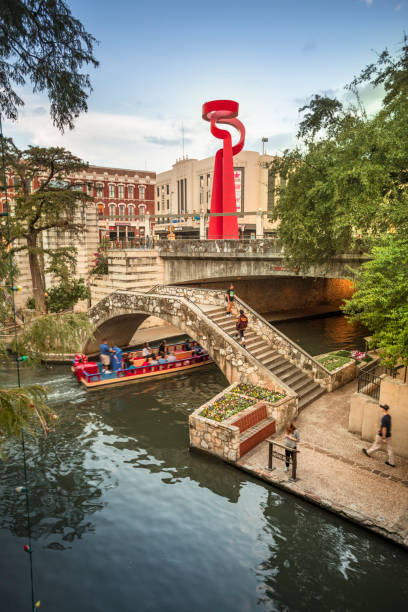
column 65, row 295
column 343, row 353
column 226, row 406
column 258, row 393
column 333, row 361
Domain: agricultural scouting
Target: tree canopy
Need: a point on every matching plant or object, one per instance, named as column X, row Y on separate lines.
column 346, row 189
column 41, row 42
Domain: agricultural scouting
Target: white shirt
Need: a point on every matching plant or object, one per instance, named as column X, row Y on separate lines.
column 146, row 351
column 171, row 357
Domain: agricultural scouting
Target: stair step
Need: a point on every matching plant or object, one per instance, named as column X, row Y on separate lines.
column 304, row 386
column 284, row 368
column 255, row 343
column 312, row 395
column 293, row 377
column 273, row 359
column 262, row 352
column 276, row 363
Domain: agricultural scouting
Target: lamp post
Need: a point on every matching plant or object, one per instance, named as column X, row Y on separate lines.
column 263, row 144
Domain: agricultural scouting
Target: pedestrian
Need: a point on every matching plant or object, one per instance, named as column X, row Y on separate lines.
column 105, row 356
column 383, row 436
column 291, row 440
column 229, row 298
column 241, row 325
column 147, row 241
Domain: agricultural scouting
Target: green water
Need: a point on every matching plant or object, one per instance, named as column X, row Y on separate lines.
column 126, row 519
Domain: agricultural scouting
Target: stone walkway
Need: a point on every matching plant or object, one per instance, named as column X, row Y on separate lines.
column 335, row 474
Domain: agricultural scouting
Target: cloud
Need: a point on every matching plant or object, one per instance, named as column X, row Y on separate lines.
column 167, row 142
column 399, row 6
column 367, row 2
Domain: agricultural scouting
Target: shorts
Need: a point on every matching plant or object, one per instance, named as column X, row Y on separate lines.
column 105, row 359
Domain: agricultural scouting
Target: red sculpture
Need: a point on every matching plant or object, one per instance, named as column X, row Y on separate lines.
column 223, row 192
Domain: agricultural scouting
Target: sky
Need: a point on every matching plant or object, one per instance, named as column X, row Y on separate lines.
column 160, row 61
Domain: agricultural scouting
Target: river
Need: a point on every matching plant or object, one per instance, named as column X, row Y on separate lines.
column 125, row 518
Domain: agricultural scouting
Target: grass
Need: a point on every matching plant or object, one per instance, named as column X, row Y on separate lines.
column 333, row 361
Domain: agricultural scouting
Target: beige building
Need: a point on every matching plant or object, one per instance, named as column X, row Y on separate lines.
column 185, row 191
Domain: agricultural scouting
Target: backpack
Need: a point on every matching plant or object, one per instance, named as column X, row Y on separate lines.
column 242, row 322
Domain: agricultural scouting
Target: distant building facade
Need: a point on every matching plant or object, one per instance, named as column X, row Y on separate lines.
column 186, row 189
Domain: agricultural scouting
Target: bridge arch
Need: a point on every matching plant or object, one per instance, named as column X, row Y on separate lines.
column 118, row 316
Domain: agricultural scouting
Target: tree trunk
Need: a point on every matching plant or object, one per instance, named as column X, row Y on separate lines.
column 36, row 276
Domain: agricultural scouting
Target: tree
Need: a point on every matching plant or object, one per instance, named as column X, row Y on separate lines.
column 41, row 42
column 347, row 181
column 381, row 299
column 50, row 205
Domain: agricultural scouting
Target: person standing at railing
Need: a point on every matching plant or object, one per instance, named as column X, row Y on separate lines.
column 383, row 437
column 291, row 439
column 229, row 298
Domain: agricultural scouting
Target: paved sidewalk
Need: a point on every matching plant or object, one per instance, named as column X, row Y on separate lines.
column 334, row 473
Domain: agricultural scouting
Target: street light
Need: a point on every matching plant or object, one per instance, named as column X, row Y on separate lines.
column 263, row 145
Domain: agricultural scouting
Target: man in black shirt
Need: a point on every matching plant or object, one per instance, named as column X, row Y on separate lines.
column 383, row 437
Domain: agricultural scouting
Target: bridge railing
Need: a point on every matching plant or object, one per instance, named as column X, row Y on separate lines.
column 275, row 337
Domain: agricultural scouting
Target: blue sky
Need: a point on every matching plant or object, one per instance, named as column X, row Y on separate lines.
column 159, row 61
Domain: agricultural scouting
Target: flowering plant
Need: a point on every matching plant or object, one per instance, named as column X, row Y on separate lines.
column 359, row 355
column 258, row 393
column 225, row 407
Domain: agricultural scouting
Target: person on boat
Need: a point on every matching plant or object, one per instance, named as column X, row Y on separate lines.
column 117, row 359
column 126, row 362
column 147, row 361
column 153, row 361
column 163, row 347
column 147, row 350
column 162, row 359
column 171, row 358
column 198, row 350
column 187, row 346
column 105, row 356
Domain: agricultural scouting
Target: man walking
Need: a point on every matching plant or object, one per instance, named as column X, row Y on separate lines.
column 383, row 437
column 229, row 298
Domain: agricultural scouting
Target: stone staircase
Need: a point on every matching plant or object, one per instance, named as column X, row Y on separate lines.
column 304, row 386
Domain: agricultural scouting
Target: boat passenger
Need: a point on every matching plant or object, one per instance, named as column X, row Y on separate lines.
column 147, row 350
column 126, row 362
column 187, row 346
column 117, row 358
column 154, row 361
column 162, row 360
column 162, row 347
column 104, row 355
column 171, row 358
column 147, row 361
column 198, row 350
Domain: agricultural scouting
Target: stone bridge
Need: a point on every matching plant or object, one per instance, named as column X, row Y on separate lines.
column 269, row 359
column 187, row 261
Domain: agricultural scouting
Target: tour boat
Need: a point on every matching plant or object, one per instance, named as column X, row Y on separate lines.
column 91, row 376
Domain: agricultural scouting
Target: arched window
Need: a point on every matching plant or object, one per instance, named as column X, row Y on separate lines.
column 142, row 208
column 131, row 209
column 111, row 191
column 130, row 192
column 121, row 211
column 101, row 208
column 121, row 191
column 112, row 210
column 142, row 192
column 99, row 190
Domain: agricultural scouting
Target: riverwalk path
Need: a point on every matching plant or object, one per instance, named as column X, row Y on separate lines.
column 335, row 474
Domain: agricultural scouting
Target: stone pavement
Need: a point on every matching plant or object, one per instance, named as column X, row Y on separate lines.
column 335, row 474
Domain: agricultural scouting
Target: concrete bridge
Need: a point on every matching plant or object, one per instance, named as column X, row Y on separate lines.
column 270, row 359
column 257, row 268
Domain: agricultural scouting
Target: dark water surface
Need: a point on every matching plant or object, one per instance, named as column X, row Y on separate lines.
column 126, row 519
column 324, row 333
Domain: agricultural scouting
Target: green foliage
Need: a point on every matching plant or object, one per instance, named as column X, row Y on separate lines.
column 58, row 334
column 333, row 361
column 350, row 185
column 41, row 42
column 101, row 259
column 381, row 299
column 23, row 408
column 65, row 295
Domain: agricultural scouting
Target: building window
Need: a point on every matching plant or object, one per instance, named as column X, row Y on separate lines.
column 208, row 188
column 168, row 204
column 271, row 192
column 158, row 191
column 111, row 191
column 201, row 190
column 142, row 192
column 99, row 191
column 131, row 209
column 101, row 209
column 112, row 210
column 121, row 211
column 182, row 196
column 142, row 208
column 167, row 189
column 130, row 192
column 158, row 205
column 121, row 191
column 89, row 189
